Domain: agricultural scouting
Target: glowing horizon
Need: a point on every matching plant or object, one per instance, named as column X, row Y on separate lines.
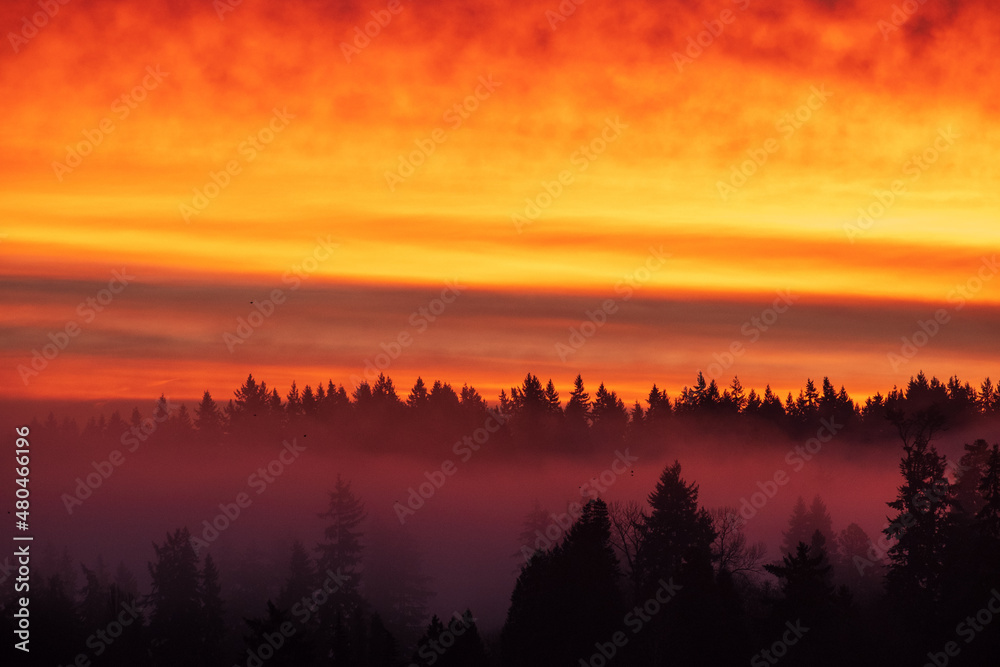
column 822, row 148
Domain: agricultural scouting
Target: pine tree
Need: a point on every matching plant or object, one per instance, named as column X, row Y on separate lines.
column 176, row 601
column 552, row 399
column 310, row 403
column 301, row 581
column 293, row 402
column 297, row 650
column 678, row 534
column 609, row 416
column 805, row 582
column 799, row 528
column 819, row 520
column 737, row 395
column 922, row 525
column 578, row 407
column 565, row 597
column 340, row 551
column 418, row 395
column 463, row 647
column 988, row 517
column 971, row 468
column 857, row 566
column 212, row 624
column 395, row 583
column 659, row 406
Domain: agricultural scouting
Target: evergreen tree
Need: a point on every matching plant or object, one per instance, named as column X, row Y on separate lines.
column 56, row 633
column 819, row 520
column 552, row 399
column 856, row 568
column 578, row 406
column 176, row 602
column 293, row 403
column 800, row 527
column 418, row 395
column 989, row 490
column 310, row 404
column 457, row 645
column 565, row 597
column 212, row 624
column 805, row 583
column 970, row 472
column 609, row 416
column 678, row 534
column 297, row 650
column 395, row 583
column 922, row 525
column 301, row 581
column 340, row 551
column 659, row 406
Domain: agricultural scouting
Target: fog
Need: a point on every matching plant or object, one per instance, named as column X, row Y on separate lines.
column 465, row 535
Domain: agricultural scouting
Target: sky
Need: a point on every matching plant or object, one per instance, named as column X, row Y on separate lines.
column 470, row 191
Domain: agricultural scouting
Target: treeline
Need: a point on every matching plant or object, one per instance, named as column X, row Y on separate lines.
column 676, row 584
column 325, row 604
column 534, row 416
column 668, row 582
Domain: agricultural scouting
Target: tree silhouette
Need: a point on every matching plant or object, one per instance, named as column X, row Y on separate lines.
column 800, row 527
column 340, row 556
column 176, row 622
column 456, row 645
column 731, row 552
column 922, row 525
column 678, row 534
column 565, row 597
column 213, row 626
column 301, row 581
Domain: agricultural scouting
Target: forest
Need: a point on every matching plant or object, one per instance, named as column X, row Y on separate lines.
column 661, row 582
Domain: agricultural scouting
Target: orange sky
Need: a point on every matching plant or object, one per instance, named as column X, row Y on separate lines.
column 164, row 95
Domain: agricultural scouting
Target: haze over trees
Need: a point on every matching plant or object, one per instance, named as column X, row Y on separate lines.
column 660, row 582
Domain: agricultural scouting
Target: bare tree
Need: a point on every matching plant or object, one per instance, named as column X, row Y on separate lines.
column 627, row 520
column 730, row 550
